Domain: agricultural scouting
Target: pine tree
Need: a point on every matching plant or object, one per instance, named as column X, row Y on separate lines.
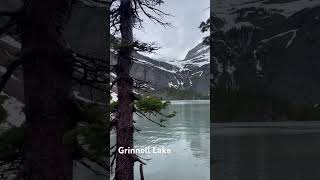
column 124, row 17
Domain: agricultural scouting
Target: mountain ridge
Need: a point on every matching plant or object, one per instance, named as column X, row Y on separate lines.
column 190, row 74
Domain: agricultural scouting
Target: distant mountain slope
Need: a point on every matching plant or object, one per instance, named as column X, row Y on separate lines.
column 191, row 74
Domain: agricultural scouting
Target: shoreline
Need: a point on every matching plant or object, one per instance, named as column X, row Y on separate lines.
column 251, row 128
column 189, row 101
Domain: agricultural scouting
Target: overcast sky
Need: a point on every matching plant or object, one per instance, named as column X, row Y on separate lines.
column 175, row 42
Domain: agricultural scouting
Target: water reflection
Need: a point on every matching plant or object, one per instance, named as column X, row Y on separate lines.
column 266, row 156
column 187, row 135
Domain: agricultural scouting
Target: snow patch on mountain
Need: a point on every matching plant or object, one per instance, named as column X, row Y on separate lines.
column 4, row 70
column 170, row 84
column 10, row 41
column 15, row 112
column 200, row 73
column 293, row 31
column 140, row 61
column 197, row 57
column 81, row 98
column 14, row 109
column 114, row 97
column 198, row 61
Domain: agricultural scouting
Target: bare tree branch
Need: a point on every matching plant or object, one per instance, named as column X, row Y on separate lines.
column 158, row 17
column 143, row 115
column 114, row 158
column 96, row 172
column 136, row 158
column 84, row 154
column 141, row 172
column 10, row 69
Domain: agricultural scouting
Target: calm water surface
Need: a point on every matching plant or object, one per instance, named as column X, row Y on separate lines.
column 266, row 154
column 187, row 134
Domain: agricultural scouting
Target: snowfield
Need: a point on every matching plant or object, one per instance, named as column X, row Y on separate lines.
column 15, row 113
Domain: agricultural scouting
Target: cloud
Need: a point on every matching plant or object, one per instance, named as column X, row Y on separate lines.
column 177, row 41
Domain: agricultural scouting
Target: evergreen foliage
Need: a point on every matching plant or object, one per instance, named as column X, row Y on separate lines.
column 11, row 148
column 154, row 106
column 91, row 132
column 204, row 27
column 150, row 104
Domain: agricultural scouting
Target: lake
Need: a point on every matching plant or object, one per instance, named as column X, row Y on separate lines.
column 266, row 151
column 187, row 134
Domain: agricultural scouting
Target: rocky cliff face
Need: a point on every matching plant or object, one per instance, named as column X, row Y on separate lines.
column 273, row 49
column 197, row 69
column 192, row 73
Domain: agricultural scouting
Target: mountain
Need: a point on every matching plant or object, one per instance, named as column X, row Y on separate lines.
column 190, row 75
column 273, row 60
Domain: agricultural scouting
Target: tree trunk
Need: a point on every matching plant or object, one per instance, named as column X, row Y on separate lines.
column 47, row 87
column 124, row 126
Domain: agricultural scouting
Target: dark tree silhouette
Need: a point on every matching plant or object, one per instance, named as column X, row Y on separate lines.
column 39, row 149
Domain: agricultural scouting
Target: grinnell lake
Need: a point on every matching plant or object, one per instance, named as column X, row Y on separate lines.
column 187, row 135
